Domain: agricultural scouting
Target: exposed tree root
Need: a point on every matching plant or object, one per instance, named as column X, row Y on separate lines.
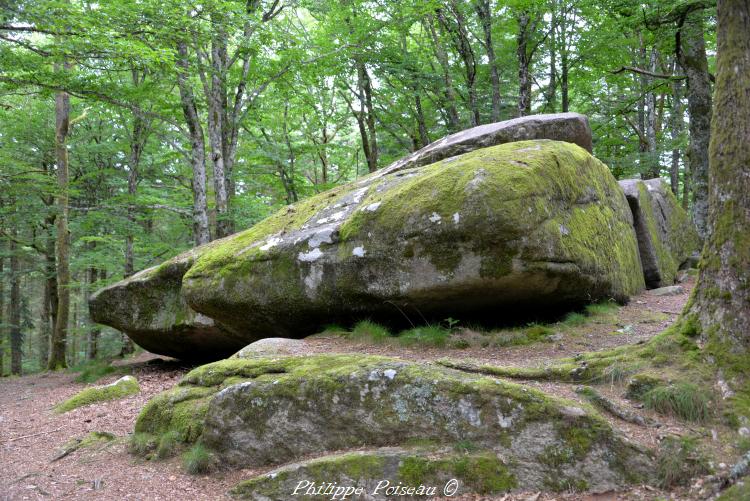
column 618, row 411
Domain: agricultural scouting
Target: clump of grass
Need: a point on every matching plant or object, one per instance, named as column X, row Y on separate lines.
column 602, row 308
column 574, row 319
column 742, row 445
column 141, row 444
column 370, row 331
column 168, row 444
column 685, row 400
column 430, row 335
column 618, row 372
column 678, row 461
column 465, row 446
column 197, row 460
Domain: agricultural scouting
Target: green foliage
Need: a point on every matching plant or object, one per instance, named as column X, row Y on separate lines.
column 370, row 331
column 574, row 320
column 685, row 400
column 429, row 335
column 168, row 444
column 679, row 460
column 197, row 460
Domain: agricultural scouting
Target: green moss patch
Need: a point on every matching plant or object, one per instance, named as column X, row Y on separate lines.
column 123, row 387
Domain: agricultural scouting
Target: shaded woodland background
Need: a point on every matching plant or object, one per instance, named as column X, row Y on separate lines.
column 132, row 131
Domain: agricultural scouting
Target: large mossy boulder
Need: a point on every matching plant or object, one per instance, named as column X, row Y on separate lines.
column 666, row 236
column 270, row 411
column 531, row 224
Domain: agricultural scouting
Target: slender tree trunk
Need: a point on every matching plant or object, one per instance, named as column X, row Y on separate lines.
column 552, row 41
column 92, row 346
column 216, row 100
column 14, row 318
column 695, row 64
column 677, row 125
column 364, row 87
column 463, row 47
column 450, row 93
column 2, row 310
column 652, row 160
column 201, row 233
column 424, row 137
column 484, row 13
column 60, row 332
column 721, row 297
column 524, row 75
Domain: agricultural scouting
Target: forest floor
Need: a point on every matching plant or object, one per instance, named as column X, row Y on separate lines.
column 32, row 435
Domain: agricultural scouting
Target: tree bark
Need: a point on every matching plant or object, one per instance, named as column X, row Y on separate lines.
column 652, row 159
column 462, row 44
column 450, row 92
column 201, row 233
column 92, row 345
column 60, row 332
column 692, row 57
column 367, row 116
column 2, row 310
column 676, row 126
column 522, row 53
column 14, row 317
column 721, row 297
column 484, row 13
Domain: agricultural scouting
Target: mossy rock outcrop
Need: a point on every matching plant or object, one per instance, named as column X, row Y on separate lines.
column 532, row 224
column 666, row 237
column 268, row 411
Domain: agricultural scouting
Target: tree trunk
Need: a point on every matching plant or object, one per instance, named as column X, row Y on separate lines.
column 722, row 295
column 60, row 332
column 424, row 137
column 216, row 100
column 92, row 345
column 450, row 93
column 692, row 57
column 2, row 310
column 677, row 125
column 484, row 13
column 551, row 97
column 201, row 233
column 524, row 76
column 463, row 47
column 652, row 159
column 14, row 318
column 367, row 114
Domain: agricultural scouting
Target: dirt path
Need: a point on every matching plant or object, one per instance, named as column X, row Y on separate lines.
column 31, row 434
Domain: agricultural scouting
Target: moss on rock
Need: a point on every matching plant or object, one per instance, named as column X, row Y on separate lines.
column 539, row 223
column 262, row 411
column 123, row 387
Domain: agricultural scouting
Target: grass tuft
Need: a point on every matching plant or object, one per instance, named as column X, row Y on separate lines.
column 197, row 460
column 141, row 444
column 168, row 444
column 678, row 461
column 684, row 400
column 430, row 335
column 370, row 331
column 574, row 320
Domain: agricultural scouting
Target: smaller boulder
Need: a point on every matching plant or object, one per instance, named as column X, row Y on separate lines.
column 123, row 387
column 666, row 237
column 271, row 346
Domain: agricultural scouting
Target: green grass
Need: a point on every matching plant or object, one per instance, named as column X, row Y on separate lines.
column 141, row 444
column 429, row 335
column 168, row 444
column 684, row 400
column 602, row 308
column 678, row 461
column 574, row 320
column 370, row 331
column 197, row 460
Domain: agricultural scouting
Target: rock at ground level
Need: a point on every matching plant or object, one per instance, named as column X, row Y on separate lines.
column 268, row 411
column 535, row 224
column 666, row 237
column 272, row 346
column 671, row 290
